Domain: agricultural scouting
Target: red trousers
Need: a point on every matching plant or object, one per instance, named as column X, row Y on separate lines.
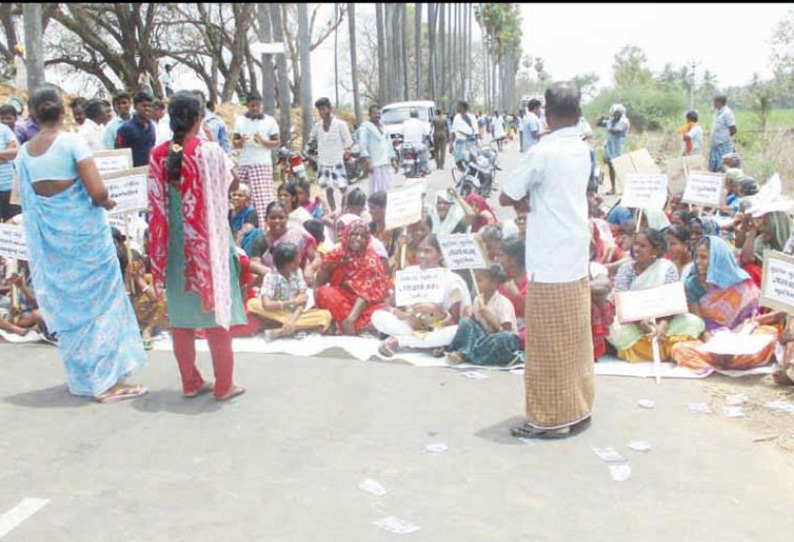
column 220, row 341
column 340, row 303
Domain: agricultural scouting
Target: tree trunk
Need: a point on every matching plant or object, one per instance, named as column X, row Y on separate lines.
column 304, row 40
column 404, row 44
column 418, row 47
column 268, row 73
column 383, row 91
column 284, row 102
column 431, row 49
column 442, row 38
column 34, row 45
column 336, row 57
column 351, row 19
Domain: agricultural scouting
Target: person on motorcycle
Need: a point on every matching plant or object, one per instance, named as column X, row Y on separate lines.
column 376, row 150
column 440, row 138
column 415, row 132
column 464, row 133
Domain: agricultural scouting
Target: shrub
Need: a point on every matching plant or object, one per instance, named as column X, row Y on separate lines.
column 647, row 108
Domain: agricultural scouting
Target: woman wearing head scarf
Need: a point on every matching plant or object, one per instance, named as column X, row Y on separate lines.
column 483, row 212
column 191, row 249
column 650, row 270
column 768, row 232
column 617, row 129
column 354, row 280
column 724, row 295
column 450, row 214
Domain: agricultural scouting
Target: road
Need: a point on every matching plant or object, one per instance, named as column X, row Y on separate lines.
column 283, row 462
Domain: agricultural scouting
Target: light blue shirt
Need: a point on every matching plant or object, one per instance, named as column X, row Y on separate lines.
column 218, row 130
column 59, row 163
column 375, row 145
column 109, row 139
column 720, row 132
column 532, row 124
column 6, row 168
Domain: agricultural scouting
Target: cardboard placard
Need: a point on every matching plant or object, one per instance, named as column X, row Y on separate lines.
column 113, row 161
column 737, row 344
column 404, row 207
column 13, row 243
column 777, row 290
column 128, row 189
column 637, row 305
column 419, row 286
column 678, row 168
column 705, row 189
column 639, row 161
column 644, row 191
column 461, row 251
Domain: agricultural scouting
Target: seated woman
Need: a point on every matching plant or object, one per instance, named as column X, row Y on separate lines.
column 512, row 258
column 491, row 238
column 287, row 194
column 450, row 213
column 407, row 251
column 279, row 230
column 724, row 295
column 303, row 198
column 151, row 311
column 316, row 228
column 603, row 248
column 621, row 220
column 242, row 211
column 484, row 215
column 251, row 240
column 679, row 250
column 701, row 226
column 650, row 270
column 283, row 297
column 20, row 314
column 769, row 232
column 425, row 325
column 490, row 336
column 377, row 227
column 602, row 311
column 353, row 280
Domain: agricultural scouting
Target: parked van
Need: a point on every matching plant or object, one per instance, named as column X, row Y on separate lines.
column 394, row 115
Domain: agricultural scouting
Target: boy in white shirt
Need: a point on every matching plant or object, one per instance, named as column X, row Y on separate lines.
column 333, row 148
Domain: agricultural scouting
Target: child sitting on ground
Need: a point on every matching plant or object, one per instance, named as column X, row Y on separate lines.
column 283, row 297
column 20, row 314
column 490, row 336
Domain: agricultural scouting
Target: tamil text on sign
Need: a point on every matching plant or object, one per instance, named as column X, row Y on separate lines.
column 419, row 286
column 644, row 191
column 777, row 291
column 404, row 207
column 112, row 161
column 13, row 244
column 461, row 251
column 705, row 189
column 128, row 189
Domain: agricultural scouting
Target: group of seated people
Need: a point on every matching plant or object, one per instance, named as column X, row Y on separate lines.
column 309, row 270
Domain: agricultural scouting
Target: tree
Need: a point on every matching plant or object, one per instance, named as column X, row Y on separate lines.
column 782, row 53
column 284, row 102
column 34, row 45
column 383, row 94
column 268, row 71
column 306, row 71
column 351, row 19
column 629, row 68
column 586, row 83
column 418, row 48
column 761, row 95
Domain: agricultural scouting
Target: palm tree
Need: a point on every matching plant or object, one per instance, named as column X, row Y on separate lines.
column 351, row 19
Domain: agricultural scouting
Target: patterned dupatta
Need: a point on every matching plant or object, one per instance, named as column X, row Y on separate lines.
column 206, row 177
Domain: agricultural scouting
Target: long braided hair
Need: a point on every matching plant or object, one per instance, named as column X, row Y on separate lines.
column 183, row 110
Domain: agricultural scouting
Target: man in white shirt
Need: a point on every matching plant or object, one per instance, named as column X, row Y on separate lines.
column 257, row 134
column 415, row 132
column 722, row 132
column 93, row 128
column 333, row 148
column 463, row 134
column 533, row 126
column 551, row 181
column 166, row 81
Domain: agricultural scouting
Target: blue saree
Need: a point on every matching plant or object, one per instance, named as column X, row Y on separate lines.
column 76, row 274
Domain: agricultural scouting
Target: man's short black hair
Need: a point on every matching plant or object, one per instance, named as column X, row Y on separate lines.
column 316, row 228
column 322, row 102
column 142, row 97
column 692, row 116
column 8, row 109
column 121, row 96
column 722, row 98
column 533, row 103
column 253, row 96
column 378, row 199
column 563, row 98
column 94, row 109
column 77, row 102
column 158, row 104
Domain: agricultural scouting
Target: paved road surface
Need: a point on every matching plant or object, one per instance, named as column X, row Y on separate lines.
column 282, row 463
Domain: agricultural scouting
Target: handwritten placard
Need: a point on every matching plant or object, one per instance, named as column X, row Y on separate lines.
column 639, row 161
column 404, row 207
column 128, row 189
column 461, row 251
column 679, row 168
column 644, row 191
column 636, row 305
column 13, row 243
column 777, row 290
column 419, row 286
column 113, row 161
column 706, row 189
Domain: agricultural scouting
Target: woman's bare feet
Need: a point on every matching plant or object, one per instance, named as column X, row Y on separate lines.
column 205, row 388
column 119, row 392
column 232, row 393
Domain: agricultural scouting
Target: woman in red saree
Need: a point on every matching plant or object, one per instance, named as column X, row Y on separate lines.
column 357, row 280
column 483, row 211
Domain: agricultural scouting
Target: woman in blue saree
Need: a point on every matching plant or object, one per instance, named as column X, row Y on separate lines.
column 73, row 260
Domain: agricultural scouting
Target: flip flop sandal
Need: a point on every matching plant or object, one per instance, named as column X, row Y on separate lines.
column 385, row 350
column 527, row 431
column 121, row 393
column 206, row 387
column 236, row 391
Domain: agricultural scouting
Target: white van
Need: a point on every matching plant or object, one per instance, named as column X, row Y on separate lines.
column 394, row 115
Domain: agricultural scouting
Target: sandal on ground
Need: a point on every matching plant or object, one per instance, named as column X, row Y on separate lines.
column 206, row 387
column 236, row 391
column 438, row 352
column 385, row 349
column 528, row 431
column 121, row 392
column 455, row 358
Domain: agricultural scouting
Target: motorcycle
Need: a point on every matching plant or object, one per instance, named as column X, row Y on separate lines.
column 309, row 157
column 479, row 172
column 354, row 166
column 409, row 161
column 290, row 164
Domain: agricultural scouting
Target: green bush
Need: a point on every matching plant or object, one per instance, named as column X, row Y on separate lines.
column 647, row 108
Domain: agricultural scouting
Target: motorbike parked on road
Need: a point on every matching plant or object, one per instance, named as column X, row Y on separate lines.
column 479, row 172
column 290, row 164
